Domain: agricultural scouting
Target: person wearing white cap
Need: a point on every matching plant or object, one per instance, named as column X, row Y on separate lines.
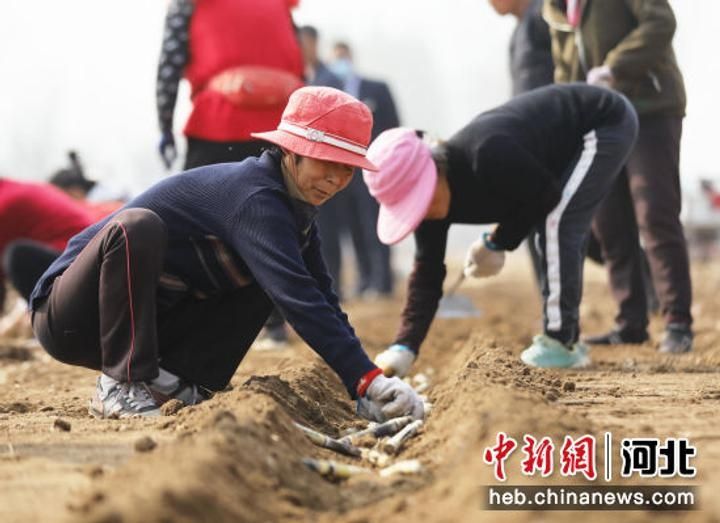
column 542, row 163
column 165, row 296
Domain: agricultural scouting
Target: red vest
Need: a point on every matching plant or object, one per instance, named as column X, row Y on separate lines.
column 230, row 33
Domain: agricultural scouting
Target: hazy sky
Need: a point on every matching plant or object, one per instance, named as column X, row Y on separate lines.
column 81, row 74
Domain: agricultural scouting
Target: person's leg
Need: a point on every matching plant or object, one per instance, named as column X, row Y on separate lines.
column 203, row 341
column 360, row 215
column 616, row 230
column 383, row 279
column 101, row 311
column 535, row 258
column 564, row 236
column 654, row 174
column 330, row 229
column 594, row 250
column 24, row 261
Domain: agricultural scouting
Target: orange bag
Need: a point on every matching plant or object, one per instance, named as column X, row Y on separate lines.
column 255, row 86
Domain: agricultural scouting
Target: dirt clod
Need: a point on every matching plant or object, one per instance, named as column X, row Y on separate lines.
column 145, row 444
column 552, row 395
column 569, row 386
column 172, row 407
column 61, row 425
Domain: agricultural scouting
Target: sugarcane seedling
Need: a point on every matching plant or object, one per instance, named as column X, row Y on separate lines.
column 420, row 383
column 322, row 440
column 394, row 444
column 375, row 457
column 333, row 469
column 354, row 430
column 410, row 466
column 380, row 430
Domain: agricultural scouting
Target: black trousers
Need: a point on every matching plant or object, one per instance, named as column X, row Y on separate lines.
column 102, row 312
column 24, row 261
column 646, row 199
column 562, row 238
column 353, row 212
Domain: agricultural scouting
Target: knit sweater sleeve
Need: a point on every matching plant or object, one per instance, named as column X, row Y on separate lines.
column 266, row 236
column 425, row 284
column 173, row 58
column 318, row 270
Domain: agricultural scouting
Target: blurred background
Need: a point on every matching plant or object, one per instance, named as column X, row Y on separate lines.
column 81, row 74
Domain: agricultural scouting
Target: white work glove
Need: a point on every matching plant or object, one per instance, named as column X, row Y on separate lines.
column 484, row 258
column 601, row 76
column 396, row 360
column 388, row 398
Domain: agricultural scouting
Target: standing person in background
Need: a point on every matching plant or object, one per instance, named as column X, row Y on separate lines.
column 531, row 63
column 355, row 210
column 626, row 45
column 531, row 66
column 242, row 60
column 316, row 72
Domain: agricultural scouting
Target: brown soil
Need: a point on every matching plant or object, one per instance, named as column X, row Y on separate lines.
column 238, row 457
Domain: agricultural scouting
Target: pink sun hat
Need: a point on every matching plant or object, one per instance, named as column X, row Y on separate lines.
column 403, row 184
column 325, row 124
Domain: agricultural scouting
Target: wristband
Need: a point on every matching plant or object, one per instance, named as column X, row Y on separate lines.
column 366, row 380
column 489, row 244
column 399, row 347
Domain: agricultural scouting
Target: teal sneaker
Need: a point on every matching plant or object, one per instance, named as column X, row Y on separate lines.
column 547, row 352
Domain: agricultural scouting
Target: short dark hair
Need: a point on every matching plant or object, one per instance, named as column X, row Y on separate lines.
column 309, row 30
column 344, row 46
column 72, row 176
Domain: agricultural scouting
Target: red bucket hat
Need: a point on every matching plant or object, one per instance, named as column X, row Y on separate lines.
column 325, row 124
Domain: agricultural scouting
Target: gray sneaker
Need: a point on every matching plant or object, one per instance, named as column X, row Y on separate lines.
column 678, row 339
column 123, row 400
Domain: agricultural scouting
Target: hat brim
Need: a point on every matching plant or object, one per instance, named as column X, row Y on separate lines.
column 397, row 221
column 316, row 150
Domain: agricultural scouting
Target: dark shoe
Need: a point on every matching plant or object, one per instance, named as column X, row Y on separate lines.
column 678, row 339
column 618, row 337
column 169, row 386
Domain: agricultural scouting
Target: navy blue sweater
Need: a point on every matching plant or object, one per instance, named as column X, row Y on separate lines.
column 244, row 210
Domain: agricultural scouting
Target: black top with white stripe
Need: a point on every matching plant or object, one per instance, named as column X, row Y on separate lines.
column 505, row 167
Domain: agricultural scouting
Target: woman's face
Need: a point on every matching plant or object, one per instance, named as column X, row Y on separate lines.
column 318, row 180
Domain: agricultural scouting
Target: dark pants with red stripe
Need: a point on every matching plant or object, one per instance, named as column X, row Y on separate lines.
column 102, row 312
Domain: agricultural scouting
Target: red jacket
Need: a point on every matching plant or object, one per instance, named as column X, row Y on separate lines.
column 40, row 212
column 230, row 33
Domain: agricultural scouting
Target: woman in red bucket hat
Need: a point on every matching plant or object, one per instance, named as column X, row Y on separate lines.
column 165, row 296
